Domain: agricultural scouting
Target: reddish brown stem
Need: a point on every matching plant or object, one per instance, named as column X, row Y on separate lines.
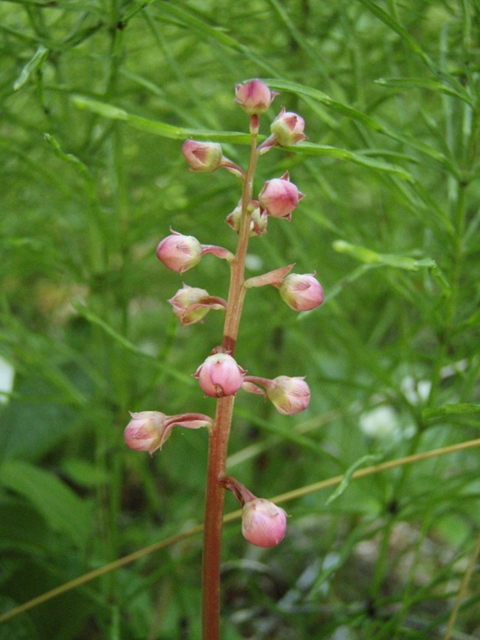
column 215, row 497
column 219, row 433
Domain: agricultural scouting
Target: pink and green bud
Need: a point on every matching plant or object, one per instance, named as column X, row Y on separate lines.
column 301, row 292
column 202, row 156
column 288, row 395
column 208, row 157
column 220, row 376
column 263, row 523
column 191, row 304
column 258, row 218
column 287, row 128
column 254, row 96
column 279, row 197
column 178, row 252
column 148, row 430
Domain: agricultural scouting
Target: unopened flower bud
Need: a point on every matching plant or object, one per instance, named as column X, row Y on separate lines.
column 145, row 430
column 254, row 96
column 148, row 430
column 179, row 253
column 288, row 128
column 220, row 376
column 202, row 156
column 280, row 197
column 258, row 219
column 289, row 395
column 263, row 523
column 301, row 292
column 191, row 304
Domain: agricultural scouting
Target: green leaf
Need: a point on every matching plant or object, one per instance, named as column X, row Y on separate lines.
column 83, row 473
column 299, row 38
column 62, row 509
column 425, row 83
column 450, row 409
column 367, row 459
column 373, row 258
column 339, row 286
column 158, row 128
column 319, row 96
column 411, row 43
column 397, row 27
column 309, row 148
column 67, row 157
column 32, row 65
column 363, row 118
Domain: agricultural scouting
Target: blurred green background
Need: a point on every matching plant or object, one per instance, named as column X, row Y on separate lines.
column 91, row 181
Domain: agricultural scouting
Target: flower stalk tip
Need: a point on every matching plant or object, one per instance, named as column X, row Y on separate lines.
column 254, row 96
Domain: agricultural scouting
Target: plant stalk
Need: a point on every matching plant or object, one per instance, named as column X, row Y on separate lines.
column 220, row 431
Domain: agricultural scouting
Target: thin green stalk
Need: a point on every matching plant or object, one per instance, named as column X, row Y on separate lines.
column 381, row 566
column 461, row 592
column 219, row 434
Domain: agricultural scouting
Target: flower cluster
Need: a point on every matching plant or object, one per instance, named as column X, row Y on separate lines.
column 220, row 376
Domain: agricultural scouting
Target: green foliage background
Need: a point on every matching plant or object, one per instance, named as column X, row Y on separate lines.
column 96, row 99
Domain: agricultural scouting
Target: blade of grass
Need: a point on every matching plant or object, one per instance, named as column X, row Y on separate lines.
column 38, row 58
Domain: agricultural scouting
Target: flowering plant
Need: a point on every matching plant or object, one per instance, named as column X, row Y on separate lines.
column 220, row 376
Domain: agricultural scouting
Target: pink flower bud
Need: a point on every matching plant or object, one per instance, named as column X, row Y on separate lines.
column 145, row 430
column 280, row 197
column 220, row 376
column 287, row 128
column 301, row 292
column 254, row 96
column 289, row 395
column 148, row 430
column 263, row 523
column 179, row 253
column 258, row 219
column 191, row 304
column 202, row 156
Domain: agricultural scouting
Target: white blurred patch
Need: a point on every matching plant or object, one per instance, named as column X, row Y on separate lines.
column 416, row 392
column 7, row 375
column 381, row 423
column 253, row 262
